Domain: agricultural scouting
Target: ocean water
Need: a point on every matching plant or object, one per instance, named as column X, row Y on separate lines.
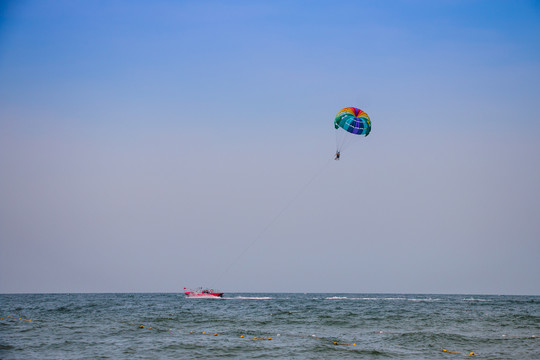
column 268, row 326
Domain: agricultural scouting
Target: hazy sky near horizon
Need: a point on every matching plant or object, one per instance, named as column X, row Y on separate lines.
column 144, row 145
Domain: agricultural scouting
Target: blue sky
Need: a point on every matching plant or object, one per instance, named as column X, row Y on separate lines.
column 145, row 145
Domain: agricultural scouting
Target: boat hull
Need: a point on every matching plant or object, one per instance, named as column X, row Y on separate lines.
column 203, row 295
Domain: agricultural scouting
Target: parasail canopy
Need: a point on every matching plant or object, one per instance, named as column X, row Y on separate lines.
column 350, row 122
column 353, row 120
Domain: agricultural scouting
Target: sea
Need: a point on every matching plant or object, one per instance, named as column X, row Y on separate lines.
column 269, row 326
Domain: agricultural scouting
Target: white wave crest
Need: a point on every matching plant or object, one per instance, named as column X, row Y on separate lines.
column 252, row 298
column 381, row 299
column 337, row 298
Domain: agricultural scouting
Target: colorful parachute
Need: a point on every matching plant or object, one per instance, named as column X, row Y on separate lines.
column 353, row 120
column 348, row 122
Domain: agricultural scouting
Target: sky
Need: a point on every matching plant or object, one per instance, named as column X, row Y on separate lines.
column 148, row 146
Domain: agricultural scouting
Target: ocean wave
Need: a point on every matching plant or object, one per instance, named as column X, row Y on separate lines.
column 252, row 298
column 381, row 299
column 475, row 299
column 519, row 337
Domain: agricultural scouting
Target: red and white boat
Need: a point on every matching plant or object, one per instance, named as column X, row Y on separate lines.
column 203, row 293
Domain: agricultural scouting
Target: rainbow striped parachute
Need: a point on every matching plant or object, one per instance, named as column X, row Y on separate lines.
column 353, row 120
column 350, row 120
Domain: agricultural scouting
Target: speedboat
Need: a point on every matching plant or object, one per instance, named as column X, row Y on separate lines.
column 203, row 293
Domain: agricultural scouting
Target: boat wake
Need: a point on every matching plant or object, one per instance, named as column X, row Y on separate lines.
column 381, row 298
column 251, row 298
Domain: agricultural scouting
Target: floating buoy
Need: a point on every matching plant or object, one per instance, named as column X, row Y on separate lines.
column 461, row 353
